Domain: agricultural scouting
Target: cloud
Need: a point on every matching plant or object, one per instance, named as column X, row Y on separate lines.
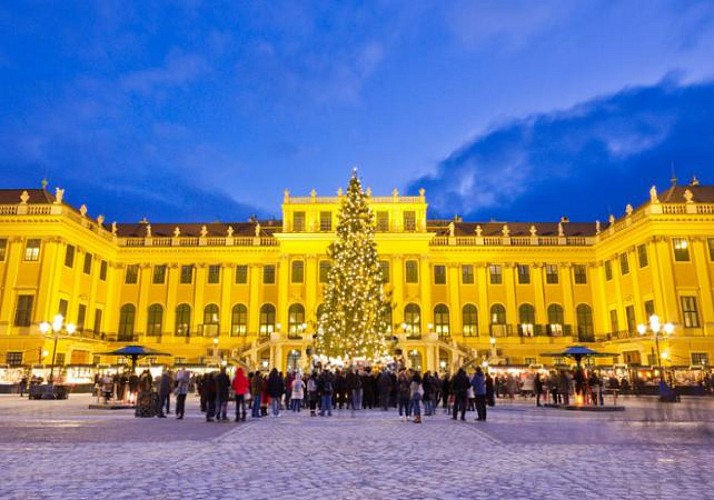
column 600, row 154
column 177, row 70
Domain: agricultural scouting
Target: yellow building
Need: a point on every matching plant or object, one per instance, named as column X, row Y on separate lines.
column 249, row 291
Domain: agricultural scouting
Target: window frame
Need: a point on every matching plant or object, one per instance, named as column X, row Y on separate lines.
column 642, row 257
column 495, row 274
column 186, row 276
column 439, row 274
column 468, row 276
column 214, row 274
column 69, row 253
column 411, row 276
column 624, row 264
column 552, row 276
column 442, row 320
column 158, row 277
column 325, row 221
column 297, row 272
column 269, row 274
column 23, row 315
column 33, row 247
column 239, row 320
column 409, row 223
column 523, row 272
column 580, row 274
column 680, row 249
column 154, row 320
column 182, row 321
column 131, row 276
column 469, row 329
column 690, row 311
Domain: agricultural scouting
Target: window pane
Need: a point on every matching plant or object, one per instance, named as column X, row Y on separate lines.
column 299, row 222
column 681, row 249
column 624, row 264
column 551, row 274
column 87, row 269
column 642, row 255
column 325, row 221
column 269, row 275
column 524, row 274
column 159, row 274
column 710, row 245
column 384, row 265
column 23, row 312
column 241, row 275
column 69, row 256
column 409, row 220
column 439, row 275
column 132, row 274
column 3, row 249
column 297, row 274
column 382, row 221
column 608, row 270
column 412, row 273
column 470, row 320
column 32, row 250
column 187, row 275
column 103, row 271
column 496, row 274
column 580, row 274
column 690, row 312
column 467, row 274
column 214, row 274
column 239, row 320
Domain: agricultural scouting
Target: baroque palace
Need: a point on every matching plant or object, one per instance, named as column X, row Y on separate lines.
column 249, row 292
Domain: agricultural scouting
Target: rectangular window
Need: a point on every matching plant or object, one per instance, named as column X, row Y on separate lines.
column 23, row 311
column 580, row 274
column 87, row 268
column 299, row 222
column 81, row 316
column 214, row 274
column 690, row 313
column 649, row 309
column 241, row 275
column 32, row 250
column 97, row 320
column 630, row 316
column 103, row 270
column 624, row 264
column 14, row 358
column 467, row 274
column 608, row 270
column 439, row 274
column 325, row 266
column 642, row 255
column 614, row 324
column 382, row 221
column 60, row 358
column 710, row 245
column 297, row 271
column 411, row 271
column 700, row 359
column 524, row 274
column 325, row 222
column 551, row 274
column 496, row 274
column 63, row 308
column 186, row 275
column 159, row 277
column 132, row 274
column 3, row 249
column 681, row 249
column 409, row 220
column 269, row 275
column 384, row 265
column 69, row 256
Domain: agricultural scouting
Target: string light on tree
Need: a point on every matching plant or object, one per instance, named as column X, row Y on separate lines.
column 355, row 309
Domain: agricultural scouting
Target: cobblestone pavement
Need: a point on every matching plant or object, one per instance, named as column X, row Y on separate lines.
column 60, row 449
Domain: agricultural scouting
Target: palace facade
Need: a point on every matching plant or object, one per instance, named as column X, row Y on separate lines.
column 249, row 292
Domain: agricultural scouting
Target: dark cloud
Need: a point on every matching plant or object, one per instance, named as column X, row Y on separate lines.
column 583, row 162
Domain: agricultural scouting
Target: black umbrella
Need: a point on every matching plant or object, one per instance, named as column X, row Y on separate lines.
column 578, row 352
column 135, row 352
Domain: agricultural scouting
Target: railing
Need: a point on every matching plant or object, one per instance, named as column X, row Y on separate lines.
column 519, row 241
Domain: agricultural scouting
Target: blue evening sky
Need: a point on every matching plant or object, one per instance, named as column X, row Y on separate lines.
column 202, row 111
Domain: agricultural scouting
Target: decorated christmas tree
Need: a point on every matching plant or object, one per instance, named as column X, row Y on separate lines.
column 353, row 320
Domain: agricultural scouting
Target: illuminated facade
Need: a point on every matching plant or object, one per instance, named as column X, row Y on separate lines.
column 462, row 291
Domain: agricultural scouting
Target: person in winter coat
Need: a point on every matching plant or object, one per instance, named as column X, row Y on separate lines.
column 223, row 385
column 459, row 387
column 403, row 393
column 312, row 394
column 240, row 388
column 478, row 382
column 416, row 391
column 325, row 386
column 354, row 388
column 384, row 383
column 165, row 383
column 209, row 390
column 297, row 393
column 276, row 388
column 256, row 391
column 182, row 380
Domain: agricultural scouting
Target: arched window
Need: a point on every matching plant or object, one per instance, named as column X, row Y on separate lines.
column 211, row 320
column 296, row 320
column 239, row 321
column 469, row 314
column 526, row 319
column 415, row 360
column 498, row 321
column 555, row 319
column 498, row 314
column 267, row 320
column 441, row 320
column 586, row 332
column 155, row 320
column 127, row 313
column 183, row 320
column 412, row 320
column 386, row 316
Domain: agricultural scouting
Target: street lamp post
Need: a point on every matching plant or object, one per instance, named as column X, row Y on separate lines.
column 56, row 327
column 657, row 329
